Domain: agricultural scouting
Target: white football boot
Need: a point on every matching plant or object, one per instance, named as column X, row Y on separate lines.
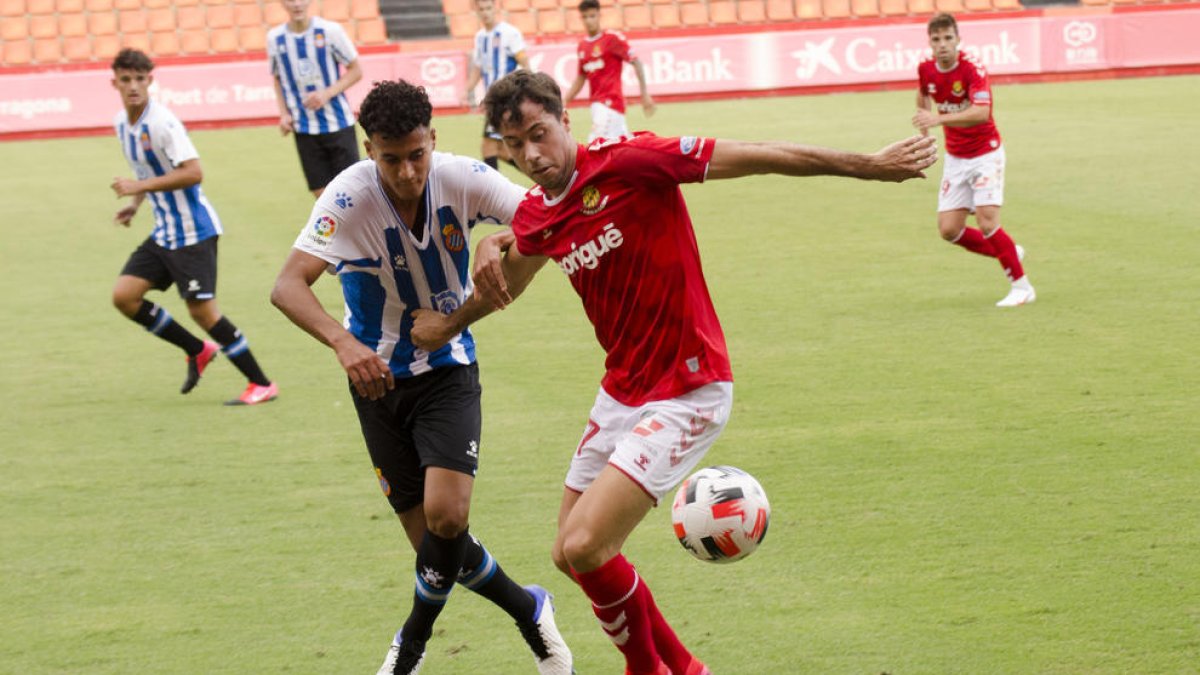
column 553, row 655
column 1022, row 293
column 403, row 659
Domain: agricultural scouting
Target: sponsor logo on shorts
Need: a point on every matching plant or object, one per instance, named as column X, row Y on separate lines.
column 473, row 449
column 383, row 483
column 647, row 427
column 193, row 285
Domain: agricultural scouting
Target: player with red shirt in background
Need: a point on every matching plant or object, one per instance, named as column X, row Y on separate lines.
column 612, row 217
column 973, row 173
column 602, row 56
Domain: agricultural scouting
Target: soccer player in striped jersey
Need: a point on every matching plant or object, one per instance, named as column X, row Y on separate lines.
column 182, row 249
column 307, row 55
column 499, row 50
column 602, row 57
column 612, row 218
column 396, row 230
column 973, row 173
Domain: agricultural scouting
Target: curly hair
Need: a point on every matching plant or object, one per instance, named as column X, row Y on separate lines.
column 589, row 4
column 394, row 109
column 504, row 97
column 132, row 59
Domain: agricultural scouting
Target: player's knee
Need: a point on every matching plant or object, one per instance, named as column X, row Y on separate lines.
column 446, row 523
column 582, row 549
column 560, row 560
column 950, row 232
column 125, row 302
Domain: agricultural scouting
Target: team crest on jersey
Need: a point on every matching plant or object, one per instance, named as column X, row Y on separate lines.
column 145, row 140
column 593, row 203
column 453, row 237
column 446, row 302
column 319, row 40
column 596, row 50
column 957, row 89
column 322, row 231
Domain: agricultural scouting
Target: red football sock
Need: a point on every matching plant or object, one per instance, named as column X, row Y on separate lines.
column 614, row 589
column 666, row 642
column 1006, row 251
column 974, row 241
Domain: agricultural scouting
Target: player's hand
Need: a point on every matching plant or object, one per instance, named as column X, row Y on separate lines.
column 487, row 273
column 286, row 125
column 431, row 329
column 905, row 159
column 924, row 120
column 125, row 215
column 368, row 373
column 315, row 100
column 649, row 106
column 125, row 187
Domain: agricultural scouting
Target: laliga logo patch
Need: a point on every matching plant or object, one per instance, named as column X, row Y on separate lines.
column 453, row 237
column 687, row 144
column 592, row 203
column 322, row 230
column 957, row 89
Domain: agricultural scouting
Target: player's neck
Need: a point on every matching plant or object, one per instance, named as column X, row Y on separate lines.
column 593, row 36
column 299, row 26
column 947, row 67
column 134, row 113
column 409, row 210
column 492, row 25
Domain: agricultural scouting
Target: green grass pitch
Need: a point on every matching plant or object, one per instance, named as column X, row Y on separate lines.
column 956, row 488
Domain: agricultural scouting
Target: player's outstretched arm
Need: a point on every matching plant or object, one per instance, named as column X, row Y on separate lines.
column 187, row 174
column 898, row 162
column 293, row 296
column 432, row 329
column 648, row 105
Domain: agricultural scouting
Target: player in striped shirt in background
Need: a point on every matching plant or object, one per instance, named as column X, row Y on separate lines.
column 182, row 249
column 499, row 50
column 306, row 55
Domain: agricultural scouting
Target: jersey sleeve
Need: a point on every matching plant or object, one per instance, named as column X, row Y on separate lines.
column 327, row 235
column 514, row 41
column 175, row 142
column 495, row 197
column 343, row 47
column 621, row 48
column 662, row 161
column 979, row 90
column 922, row 81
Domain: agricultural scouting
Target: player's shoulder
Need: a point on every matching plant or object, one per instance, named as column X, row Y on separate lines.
column 447, row 167
column 327, row 25
column 615, row 35
column 159, row 115
column 928, row 66
column 356, row 179
column 509, row 29
column 275, row 33
column 970, row 64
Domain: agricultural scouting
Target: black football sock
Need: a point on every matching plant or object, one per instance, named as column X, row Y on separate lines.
column 482, row 574
column 158, row 320
column 438, row 563
column 234, row 344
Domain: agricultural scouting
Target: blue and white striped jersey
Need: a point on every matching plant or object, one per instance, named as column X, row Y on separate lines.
column 386, row 272
column 308, row 61
column 496, row 51
column 153, row 146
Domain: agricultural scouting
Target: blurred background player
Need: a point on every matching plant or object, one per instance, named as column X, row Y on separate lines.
column 396, row 230
column 499, row 50
column 182, row 249
column 602, row 57
column 973, row 173
column 613, row 219
column 307, row 55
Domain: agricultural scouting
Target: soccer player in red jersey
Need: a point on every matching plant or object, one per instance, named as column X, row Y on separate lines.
column 973, row 173
column 602, row 56
column 612, row 218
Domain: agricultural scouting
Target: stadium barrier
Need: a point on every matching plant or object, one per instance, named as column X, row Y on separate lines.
column 40, row 103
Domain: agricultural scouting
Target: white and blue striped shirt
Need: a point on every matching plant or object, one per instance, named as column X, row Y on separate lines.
column 307, row 62
column 386, row 272
column 496, row 51
column 154, row 145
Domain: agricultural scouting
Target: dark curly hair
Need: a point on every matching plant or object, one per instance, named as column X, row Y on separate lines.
column 589, row 4
column 132, row 59
column 394, row 109
column 504, row 97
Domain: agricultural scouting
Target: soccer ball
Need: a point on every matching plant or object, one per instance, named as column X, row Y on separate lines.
column 720, row 514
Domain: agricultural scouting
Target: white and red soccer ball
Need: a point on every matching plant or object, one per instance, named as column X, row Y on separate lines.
column 720, row 514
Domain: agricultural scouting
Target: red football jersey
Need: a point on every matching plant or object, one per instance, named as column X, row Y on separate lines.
column 601, row 60
column 954, row 91
column 622, row 235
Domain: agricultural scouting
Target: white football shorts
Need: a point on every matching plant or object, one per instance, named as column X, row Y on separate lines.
column 607, row 123
column 971, row 182
column 657, row 444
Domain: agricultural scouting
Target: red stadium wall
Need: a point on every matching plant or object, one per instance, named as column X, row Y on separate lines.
column 815, row 57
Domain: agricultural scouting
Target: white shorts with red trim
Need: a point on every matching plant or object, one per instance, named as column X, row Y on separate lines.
column 968, row 182
column 656, row 444
column 607, row 123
